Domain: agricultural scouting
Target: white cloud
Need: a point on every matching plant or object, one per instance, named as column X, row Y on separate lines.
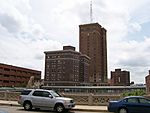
column 133, row 56
column 121, row 18
column 22, row 40
column 29, row 27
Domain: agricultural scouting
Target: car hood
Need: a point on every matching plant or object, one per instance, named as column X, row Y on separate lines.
column 64, row 98
column 113, row 101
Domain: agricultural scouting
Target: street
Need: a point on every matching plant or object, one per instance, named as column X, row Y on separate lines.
column 14, row 109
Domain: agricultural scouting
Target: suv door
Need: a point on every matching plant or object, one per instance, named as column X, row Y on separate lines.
column 42, row 99
column 37, row 98
column 49, row 100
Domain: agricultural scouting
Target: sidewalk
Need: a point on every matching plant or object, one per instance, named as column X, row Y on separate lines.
column 76, row 108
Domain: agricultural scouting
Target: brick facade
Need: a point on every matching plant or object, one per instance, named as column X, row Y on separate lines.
column 66, row 67
column 147, row 78
column 120, row 78
column 92, row 42
column 16, row 76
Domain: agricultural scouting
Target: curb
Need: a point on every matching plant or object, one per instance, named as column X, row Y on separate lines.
column 5, row 104
column 90, row 110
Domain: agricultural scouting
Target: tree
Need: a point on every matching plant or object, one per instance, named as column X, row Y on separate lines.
column 134, row 93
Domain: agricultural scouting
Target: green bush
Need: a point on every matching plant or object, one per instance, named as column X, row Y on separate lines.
column 134, row 93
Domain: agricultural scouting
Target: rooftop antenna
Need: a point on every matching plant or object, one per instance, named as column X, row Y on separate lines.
column 91, row 13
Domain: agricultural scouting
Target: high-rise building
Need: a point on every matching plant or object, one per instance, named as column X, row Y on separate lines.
column 66, row 67
column 92, row 42
column 120, row 78
column 12, row 76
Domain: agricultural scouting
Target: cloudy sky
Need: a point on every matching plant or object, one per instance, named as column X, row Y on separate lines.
column 30, row 27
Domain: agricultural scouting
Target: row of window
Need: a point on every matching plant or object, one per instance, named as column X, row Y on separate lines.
column 13, row 76
column 58, row 62
column 63, row 56
column 17, row 71
column 7, row 81
column 36, row 93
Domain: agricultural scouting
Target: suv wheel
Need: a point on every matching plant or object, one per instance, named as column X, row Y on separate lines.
column 59, row 108
column 27, row 105
column 123, row 110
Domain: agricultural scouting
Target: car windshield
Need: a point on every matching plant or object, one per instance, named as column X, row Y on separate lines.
column 122, row 100
column 55, row 94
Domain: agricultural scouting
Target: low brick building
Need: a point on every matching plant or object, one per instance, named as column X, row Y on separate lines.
column 120, row 78
column 147, row 78
column 66, row 67
column 11, row 76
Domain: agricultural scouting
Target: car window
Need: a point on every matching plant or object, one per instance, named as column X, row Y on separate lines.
column 25, row 92
column 132, row 100
column 45, row 94
column 38, row 93
column 142, row 100
column 55, row 94
column 124, row 100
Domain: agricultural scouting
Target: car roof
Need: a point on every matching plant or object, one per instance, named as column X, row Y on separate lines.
column 134, row 97
column 38, row 90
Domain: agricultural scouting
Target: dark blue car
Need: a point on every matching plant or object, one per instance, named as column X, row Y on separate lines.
column 132, row 104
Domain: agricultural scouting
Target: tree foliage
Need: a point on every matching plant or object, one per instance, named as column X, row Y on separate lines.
column 134, row 93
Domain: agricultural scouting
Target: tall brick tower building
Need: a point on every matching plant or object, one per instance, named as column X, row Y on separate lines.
column 92, row 42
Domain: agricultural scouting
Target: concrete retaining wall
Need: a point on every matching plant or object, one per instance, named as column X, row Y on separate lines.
column 83, row 99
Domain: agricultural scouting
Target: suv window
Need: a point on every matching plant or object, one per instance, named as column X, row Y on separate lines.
column 46, row 94
column 55, row 94
column 25, row 92
column 41, row 93
column 37, row 93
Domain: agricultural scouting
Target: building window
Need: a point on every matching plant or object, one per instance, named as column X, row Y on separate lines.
column 119, row 80
column 6, row 69
column 47, row 65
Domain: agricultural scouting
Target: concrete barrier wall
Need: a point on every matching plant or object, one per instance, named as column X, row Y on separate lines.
column 83, row 99
column 92, row 99
column 80, row 98
column 7, row 95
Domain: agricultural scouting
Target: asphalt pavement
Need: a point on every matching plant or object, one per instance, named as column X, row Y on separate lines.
column 18, row 109
column 76, row 108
